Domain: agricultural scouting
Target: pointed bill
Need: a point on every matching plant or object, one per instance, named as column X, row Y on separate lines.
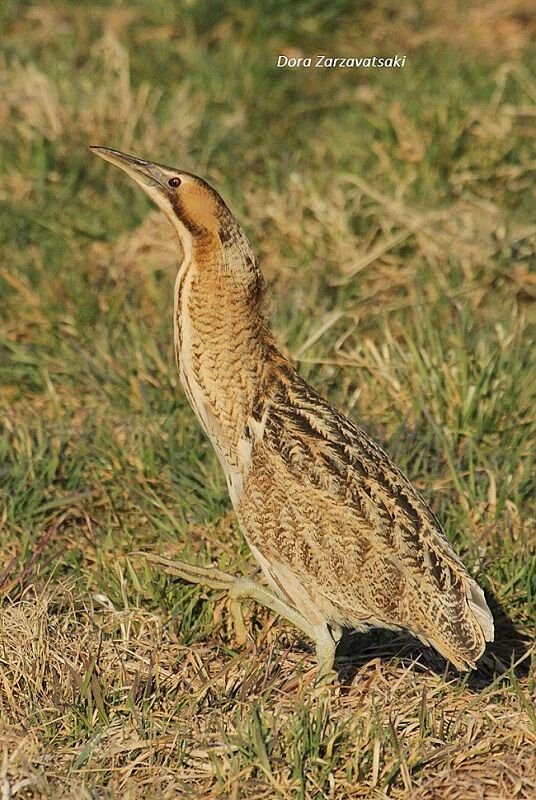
column 147, row 174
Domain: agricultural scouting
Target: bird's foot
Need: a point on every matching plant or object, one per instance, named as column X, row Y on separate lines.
column 326, row 636
column 238, row 588
column 206, row 576
column 326, row 639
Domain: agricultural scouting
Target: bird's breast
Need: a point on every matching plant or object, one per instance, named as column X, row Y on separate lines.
column 213, row 375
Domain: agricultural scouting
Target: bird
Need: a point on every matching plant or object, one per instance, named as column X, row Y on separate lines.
column 341, row 536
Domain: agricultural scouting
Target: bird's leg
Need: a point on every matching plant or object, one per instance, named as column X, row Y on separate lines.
column 238, row 588
column 326, row 637
column 245, row 587
column 206, row 576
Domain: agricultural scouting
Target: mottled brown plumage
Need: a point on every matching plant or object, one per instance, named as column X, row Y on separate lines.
column 342, row 537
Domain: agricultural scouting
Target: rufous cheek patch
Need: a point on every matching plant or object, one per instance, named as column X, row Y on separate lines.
column 200, row 207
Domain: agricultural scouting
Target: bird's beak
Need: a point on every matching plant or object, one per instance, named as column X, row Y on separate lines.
column 147, row 174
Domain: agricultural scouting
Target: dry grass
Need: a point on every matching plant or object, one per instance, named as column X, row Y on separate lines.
column 182, row 715
column 393, row 215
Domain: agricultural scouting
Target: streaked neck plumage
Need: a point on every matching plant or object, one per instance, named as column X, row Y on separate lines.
column 221, row 340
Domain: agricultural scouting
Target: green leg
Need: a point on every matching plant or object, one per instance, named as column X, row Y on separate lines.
column 244, row 587
column 237, row 587
column 326, row 639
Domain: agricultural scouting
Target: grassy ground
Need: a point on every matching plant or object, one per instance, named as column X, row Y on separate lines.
column 393, row 212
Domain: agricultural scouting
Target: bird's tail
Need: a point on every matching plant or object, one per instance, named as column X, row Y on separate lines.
column 462, row 640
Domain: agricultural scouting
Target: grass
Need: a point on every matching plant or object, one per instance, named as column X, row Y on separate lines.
column 393, row 213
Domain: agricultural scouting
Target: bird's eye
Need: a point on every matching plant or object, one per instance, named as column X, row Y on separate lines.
column 174, row 182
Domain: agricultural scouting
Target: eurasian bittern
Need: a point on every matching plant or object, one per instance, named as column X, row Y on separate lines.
column 342, row 537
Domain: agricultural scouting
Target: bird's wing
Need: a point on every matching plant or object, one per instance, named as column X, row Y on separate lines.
column 360, row 528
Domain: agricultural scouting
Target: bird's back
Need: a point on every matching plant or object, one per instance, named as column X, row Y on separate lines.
column 340, row 530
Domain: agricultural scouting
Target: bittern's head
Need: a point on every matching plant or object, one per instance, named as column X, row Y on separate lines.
column 195, row 209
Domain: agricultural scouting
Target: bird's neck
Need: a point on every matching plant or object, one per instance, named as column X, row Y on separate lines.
column 222, row 345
